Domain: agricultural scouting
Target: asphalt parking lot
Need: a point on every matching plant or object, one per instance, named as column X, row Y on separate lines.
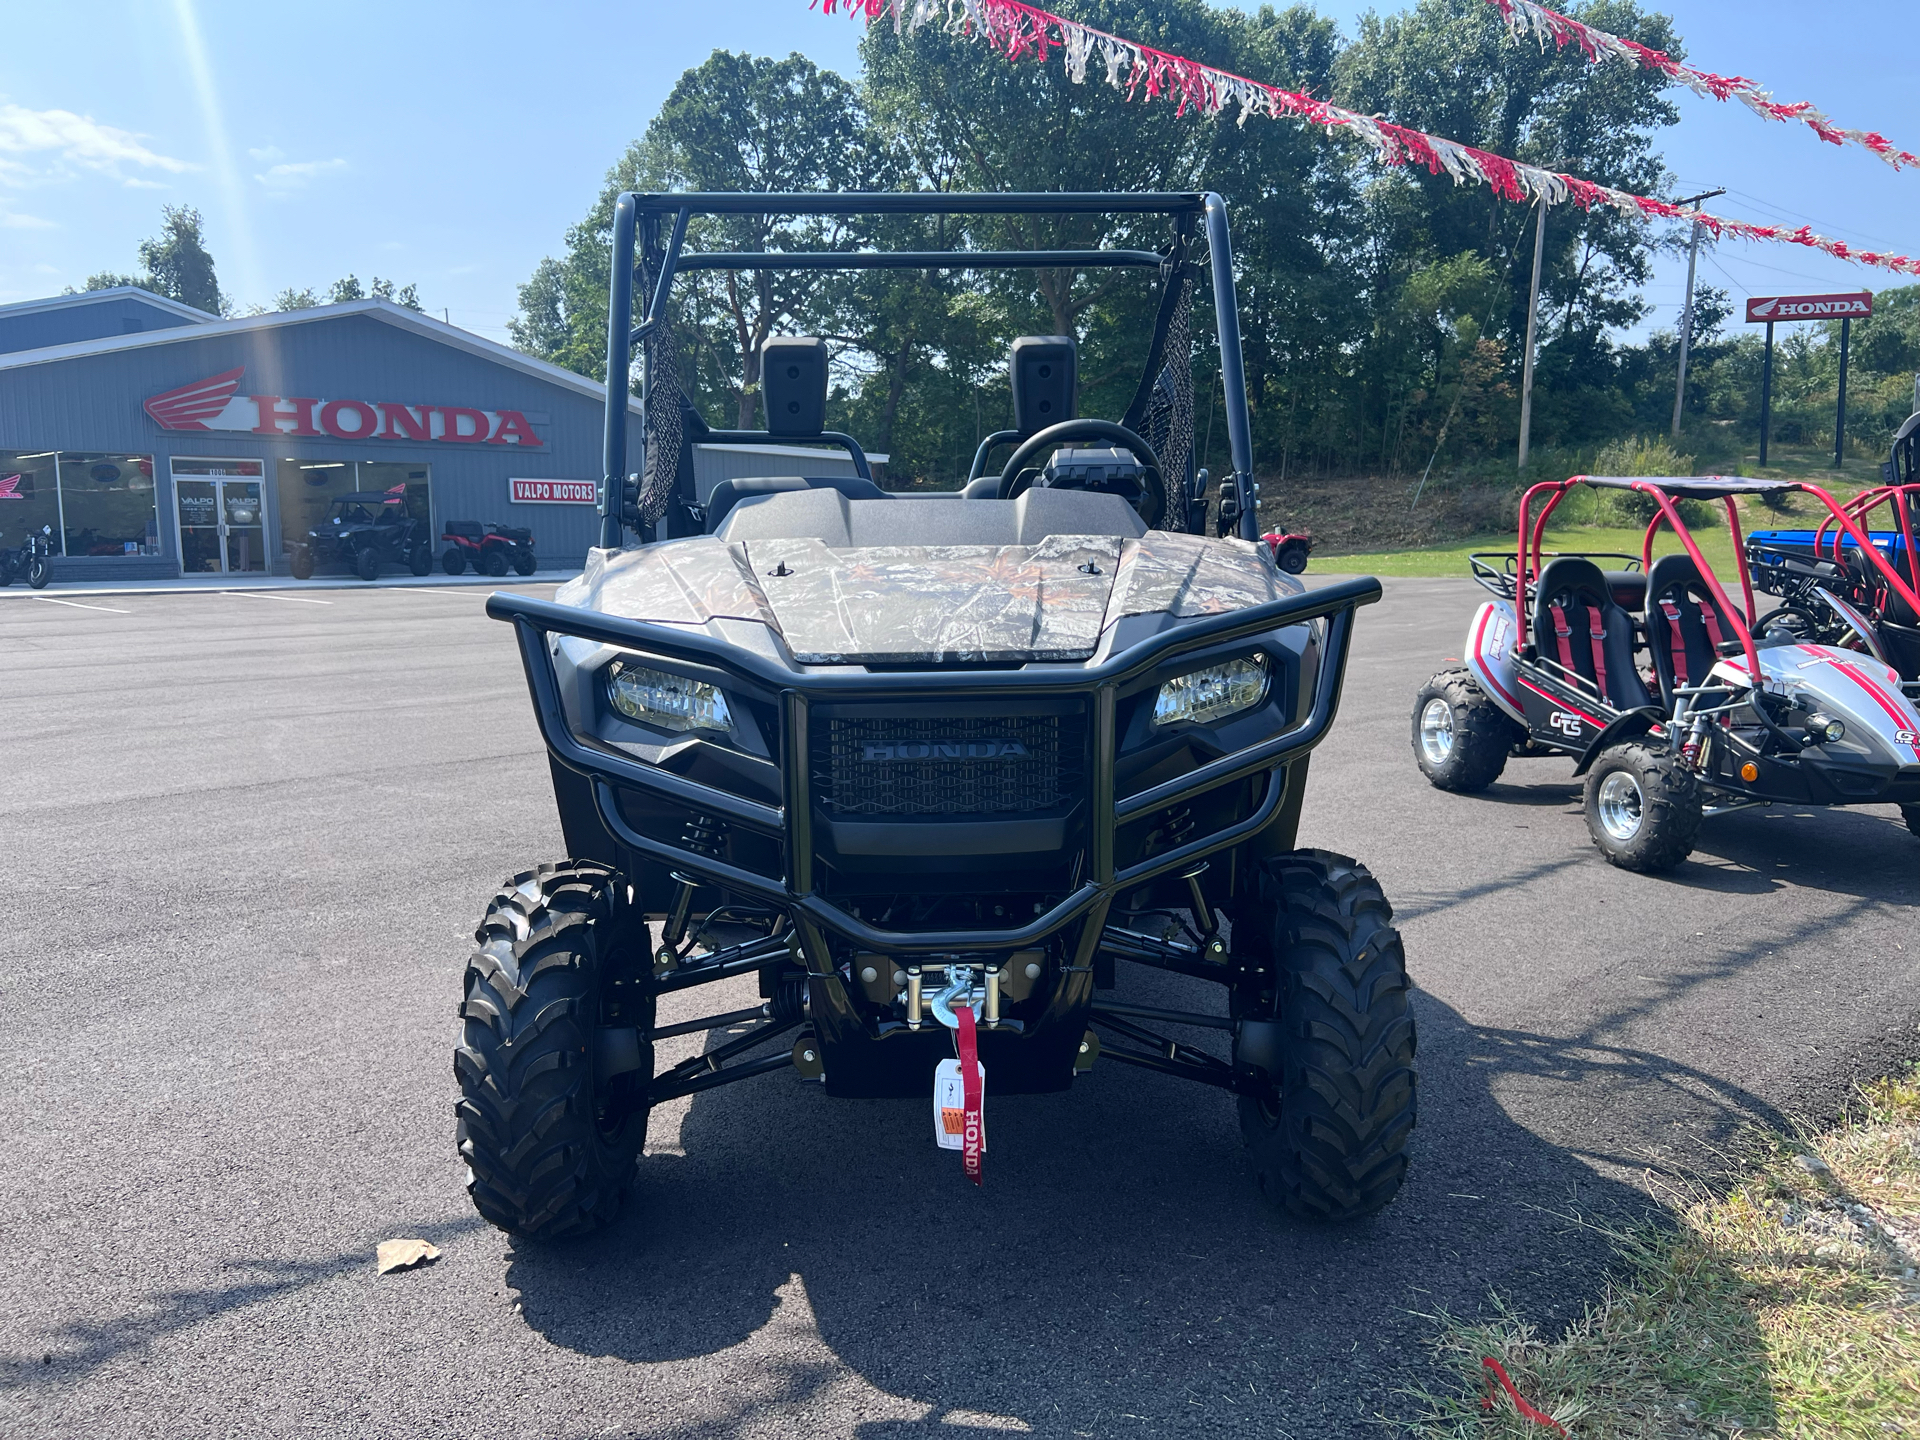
column 247, row 837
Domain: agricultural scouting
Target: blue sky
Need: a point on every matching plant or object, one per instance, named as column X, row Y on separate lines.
column 450, row 146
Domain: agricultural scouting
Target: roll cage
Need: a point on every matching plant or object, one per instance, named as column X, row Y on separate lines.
column 649, row 239
column 1518, row 584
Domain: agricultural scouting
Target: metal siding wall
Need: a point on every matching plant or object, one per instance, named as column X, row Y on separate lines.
column 71, row 324
column 94, row 403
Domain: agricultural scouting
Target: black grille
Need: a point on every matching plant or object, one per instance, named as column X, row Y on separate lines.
column 945, row 766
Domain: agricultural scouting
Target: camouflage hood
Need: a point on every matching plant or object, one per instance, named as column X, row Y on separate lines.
column 930, row 604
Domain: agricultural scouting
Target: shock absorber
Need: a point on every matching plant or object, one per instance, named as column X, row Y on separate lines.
column 703, row 835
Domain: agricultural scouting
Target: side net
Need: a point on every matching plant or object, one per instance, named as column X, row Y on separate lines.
column 1169, row 420
column 664, row 420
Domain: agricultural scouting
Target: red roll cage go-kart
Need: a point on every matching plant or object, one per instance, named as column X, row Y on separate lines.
column 1674, row 701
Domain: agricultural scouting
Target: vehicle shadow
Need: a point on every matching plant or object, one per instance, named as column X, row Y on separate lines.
column 1117, row 1271
column 1866, row 852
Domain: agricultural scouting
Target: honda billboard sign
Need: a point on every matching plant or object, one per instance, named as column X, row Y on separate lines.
column 1762, row 309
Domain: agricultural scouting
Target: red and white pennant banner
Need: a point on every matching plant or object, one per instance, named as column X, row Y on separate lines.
column 1526, row 18
column 1018, row 30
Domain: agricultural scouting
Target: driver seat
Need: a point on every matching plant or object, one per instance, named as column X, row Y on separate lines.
column 1685, row 627
column 1043, row 372
column 1578, row 625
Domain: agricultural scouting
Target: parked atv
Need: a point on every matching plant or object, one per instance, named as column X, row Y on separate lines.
column 944, row 772
column 1676, row 704
column 490, row 549
column 31, row 560
column 364, row 532
column 1290, row 549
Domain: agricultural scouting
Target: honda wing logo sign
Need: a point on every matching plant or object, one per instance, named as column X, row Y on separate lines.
column 1762, row 308
column 217, row 404
column 945, row 750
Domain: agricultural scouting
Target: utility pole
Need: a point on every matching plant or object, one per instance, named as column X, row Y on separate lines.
column 1533, row 319
column 1840, row 411
column 1686, row 312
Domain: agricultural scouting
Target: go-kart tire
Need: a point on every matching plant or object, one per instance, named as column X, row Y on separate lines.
column 1461, row 739
column 421, row 561
column 1643, row 807
column 494, row 564
column 1323, row 1019
column 300, row 564
column 1293, row 559
column 39, row 572
column 523, row 564
column 367, row 564
column 453, row 562
column 549, row 1147
column 1911, row 814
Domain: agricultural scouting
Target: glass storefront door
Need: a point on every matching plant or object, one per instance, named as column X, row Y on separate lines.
column 222, row 524
column 244, row 525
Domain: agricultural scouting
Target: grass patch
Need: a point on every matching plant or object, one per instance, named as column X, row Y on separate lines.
column 1787, row 1305
column 1451, row 559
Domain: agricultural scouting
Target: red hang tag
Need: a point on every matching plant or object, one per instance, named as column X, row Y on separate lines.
column 973, row 1125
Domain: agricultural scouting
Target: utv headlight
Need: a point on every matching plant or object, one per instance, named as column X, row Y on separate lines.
column 1213, row 693
column 667, row 702
column 1824, row 729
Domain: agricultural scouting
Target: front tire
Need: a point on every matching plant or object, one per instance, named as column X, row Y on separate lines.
column 1461, row 739
column 1325, row 1027
column 422, row 562
column 39, row 572
column 367, row 564
column 1643, row 807
column 550, row 1146
column 300, row 563
column 1293, row 559
column 453, row 562
column 494, row 563
column 523, row 563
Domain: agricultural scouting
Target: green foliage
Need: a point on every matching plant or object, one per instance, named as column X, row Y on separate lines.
column 175, row 263
column 1639, row 457
column 1383, row 312
column 178, row 262
column 346, row 289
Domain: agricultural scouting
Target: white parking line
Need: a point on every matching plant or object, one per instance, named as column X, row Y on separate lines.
column 263, row 595
column 105, row 609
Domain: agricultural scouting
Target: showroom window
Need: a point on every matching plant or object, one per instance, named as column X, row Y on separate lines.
column 308, row 487
column 29, row 496
column 97, row 503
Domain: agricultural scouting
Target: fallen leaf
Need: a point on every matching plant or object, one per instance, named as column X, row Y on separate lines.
column 405, row 1254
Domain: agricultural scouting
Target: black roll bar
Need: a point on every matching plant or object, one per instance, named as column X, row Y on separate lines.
column 636, row 221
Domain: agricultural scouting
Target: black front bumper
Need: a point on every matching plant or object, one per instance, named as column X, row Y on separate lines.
column 1046, row 1047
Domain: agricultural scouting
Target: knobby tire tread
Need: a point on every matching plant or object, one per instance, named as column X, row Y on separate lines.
column 1672, row 813
column 540, row 1163
column 1483, row 734
column 1348, row 1095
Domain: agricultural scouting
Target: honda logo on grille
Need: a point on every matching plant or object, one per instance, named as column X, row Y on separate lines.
column 944, row 750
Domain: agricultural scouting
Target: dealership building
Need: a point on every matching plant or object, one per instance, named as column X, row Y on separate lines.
column 157, row 440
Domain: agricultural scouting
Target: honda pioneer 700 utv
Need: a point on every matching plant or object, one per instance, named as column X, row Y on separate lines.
column 929, row 765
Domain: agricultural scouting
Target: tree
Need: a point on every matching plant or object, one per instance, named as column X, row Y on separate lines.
column 175, row 264
column 178, row 262
column 1448, row 67
column 736, row 122
column 347, row 289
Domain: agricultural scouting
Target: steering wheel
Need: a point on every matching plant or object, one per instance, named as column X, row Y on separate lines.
column 1151, row 495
